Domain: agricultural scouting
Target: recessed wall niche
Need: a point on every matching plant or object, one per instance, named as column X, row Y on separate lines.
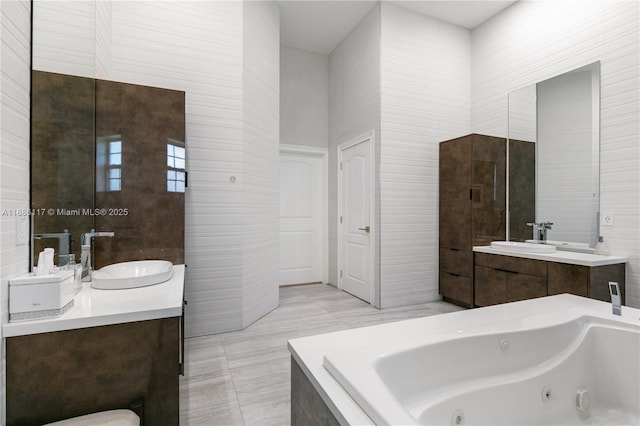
column 108, row 156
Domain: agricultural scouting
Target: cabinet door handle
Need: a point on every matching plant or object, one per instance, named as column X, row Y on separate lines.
column 455, row 275
column 505, row 270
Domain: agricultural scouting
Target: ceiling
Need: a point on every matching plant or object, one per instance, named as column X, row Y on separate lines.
column 319, row 26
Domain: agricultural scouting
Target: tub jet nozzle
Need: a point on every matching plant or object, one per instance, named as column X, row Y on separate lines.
column 583, row 400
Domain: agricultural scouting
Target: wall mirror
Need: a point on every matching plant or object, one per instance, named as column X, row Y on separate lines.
column 107, row 156
column 558, row 121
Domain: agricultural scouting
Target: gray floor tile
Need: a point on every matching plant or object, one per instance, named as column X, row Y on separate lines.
column 243, row 377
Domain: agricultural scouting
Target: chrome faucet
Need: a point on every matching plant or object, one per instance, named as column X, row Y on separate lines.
column 64, row 244
column 540, row 230
column 85, row 245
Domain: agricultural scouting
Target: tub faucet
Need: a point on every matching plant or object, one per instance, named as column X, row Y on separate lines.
column 64, row 244
column 616, row 300
column 85, row 244
column 540, row 230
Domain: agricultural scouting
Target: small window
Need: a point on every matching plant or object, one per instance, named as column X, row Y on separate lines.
column 176, row 164
column 115, row 166
column 109, row 163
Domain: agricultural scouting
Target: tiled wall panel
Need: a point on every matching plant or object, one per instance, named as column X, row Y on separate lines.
column 532, row 41
column 103, row 40
column 304, row 97
column 425, row 96
column 197, row 47
column 261, row 164
column 14, row 150
column 65, row 40
column 354, row 106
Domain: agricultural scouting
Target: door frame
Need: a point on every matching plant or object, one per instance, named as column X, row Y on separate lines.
column 323, row 154
column 370, row 136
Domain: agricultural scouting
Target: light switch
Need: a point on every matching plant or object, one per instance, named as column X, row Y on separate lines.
column 22, row 230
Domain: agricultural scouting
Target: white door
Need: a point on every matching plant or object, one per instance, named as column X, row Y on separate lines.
column 301, row 245
column 356, row 220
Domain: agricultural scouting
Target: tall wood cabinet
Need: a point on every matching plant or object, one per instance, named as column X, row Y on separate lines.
column 472, row 208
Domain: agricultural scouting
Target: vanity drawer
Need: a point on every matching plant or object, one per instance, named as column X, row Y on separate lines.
column 457, row 288
column 572, row 279
column 523, row 287
column 512, row 264
column 456, row 261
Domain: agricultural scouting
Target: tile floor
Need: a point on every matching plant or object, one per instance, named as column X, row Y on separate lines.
column 242, row 377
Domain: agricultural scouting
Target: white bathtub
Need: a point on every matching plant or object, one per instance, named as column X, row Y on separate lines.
column 558, row 368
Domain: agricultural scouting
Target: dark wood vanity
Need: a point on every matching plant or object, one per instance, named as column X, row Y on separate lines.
column 64, row 374
column 472, row 208
column 473, row 213
column 503, row 278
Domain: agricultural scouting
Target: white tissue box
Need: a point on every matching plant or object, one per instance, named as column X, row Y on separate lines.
column 40, row 296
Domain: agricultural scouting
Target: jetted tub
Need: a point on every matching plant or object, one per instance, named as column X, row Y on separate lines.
column 558, row 368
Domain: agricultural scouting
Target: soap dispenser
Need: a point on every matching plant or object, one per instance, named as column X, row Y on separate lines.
column 602, row 248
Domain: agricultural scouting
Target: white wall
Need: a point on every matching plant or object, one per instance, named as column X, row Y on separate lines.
column 354, row 105
column 426, row 92
column 65, row 43
column 103, row 39
column 304, row 97
column 197, row 47
column 261, row 160
column 533, row 41
column 14, row 150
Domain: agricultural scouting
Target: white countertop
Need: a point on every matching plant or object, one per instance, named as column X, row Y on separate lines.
column 573, row 258
column 309, row 351
column 94, row 307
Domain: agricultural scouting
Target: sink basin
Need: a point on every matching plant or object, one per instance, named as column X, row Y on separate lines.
column 522, row 247
column 125, row 275
column 569, row 246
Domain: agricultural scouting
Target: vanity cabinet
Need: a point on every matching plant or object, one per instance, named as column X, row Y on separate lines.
column 563, row 278
column 112, row 349
column 472, row 208
column 503, row 278
column 592, row 282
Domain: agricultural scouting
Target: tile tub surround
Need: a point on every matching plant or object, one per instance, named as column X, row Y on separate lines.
column 309, row 352
column 243, row 377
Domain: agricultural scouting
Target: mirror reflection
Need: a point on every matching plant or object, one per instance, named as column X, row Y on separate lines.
column 107, row 156
column 555, row 124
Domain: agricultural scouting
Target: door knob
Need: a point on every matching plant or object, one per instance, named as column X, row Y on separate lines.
column 366, row 229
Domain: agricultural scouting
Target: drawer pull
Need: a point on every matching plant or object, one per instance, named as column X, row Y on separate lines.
column 506, row 270
column 455, row 275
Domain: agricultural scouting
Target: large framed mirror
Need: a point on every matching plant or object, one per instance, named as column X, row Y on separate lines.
column 108, row 156
column 554, row 159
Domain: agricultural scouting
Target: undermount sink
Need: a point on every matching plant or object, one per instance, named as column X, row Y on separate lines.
column 523, row 247
column 140, row 273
